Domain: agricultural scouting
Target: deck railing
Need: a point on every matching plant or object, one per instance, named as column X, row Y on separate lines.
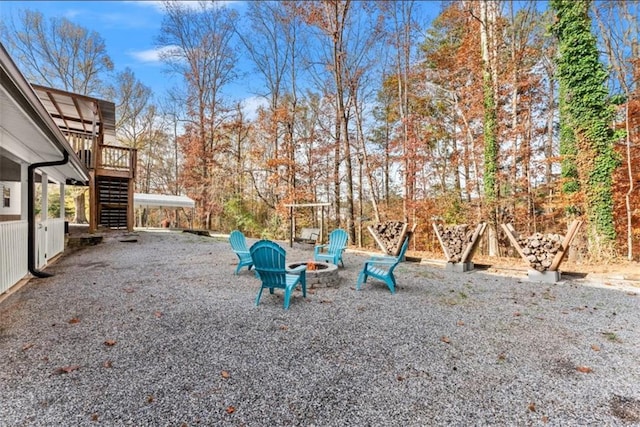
column 83, row 145
column 13, row 253
column 102, row 156
column 119, row 158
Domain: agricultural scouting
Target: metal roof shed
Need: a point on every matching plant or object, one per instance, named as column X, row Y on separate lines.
column 145, row 200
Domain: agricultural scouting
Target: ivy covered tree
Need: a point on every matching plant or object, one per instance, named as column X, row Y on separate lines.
column 587, row 114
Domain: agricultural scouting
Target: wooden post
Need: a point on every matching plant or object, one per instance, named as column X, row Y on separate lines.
column 571, row 233
column 473, row 244
column 510, row 232
column 442, row 245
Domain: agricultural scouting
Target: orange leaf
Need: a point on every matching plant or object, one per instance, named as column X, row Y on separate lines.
column 517, row 313
column 284, row 327
column 225, row 374
column 584, row 369
column 94, row 417
column 74, row 320
column 595, row 347
column 158, row 314
column 110, row 343
column 445, row 339
column 27, row 346
column 460, row 323
column 107, row 364
column 230, row 409
column 545, row 419
column 150, row 398
column 532, row 407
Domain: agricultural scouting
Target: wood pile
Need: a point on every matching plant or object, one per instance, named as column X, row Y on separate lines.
column 389, row 235
column 540, row 249
column 455, row 238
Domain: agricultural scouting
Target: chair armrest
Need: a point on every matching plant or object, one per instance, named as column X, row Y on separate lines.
column 299, row 269
column 243, row 252
column 318, row 248
column 380, row 262
column 382, row 258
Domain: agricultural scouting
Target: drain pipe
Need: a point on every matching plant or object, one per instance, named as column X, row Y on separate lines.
column 31, row 256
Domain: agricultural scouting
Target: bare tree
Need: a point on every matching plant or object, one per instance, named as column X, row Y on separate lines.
column 198, row 46
column 58, row 53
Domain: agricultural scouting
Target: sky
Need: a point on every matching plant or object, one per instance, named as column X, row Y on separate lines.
column 130, row 28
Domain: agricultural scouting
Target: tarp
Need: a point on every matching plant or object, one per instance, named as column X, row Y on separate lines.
column 162, row 200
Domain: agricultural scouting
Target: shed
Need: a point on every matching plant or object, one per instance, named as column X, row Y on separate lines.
column 145, row 200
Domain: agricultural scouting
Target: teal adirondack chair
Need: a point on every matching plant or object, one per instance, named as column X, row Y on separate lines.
column 381, row 268
column 332, row 252
column 269, row 262
column 239, row 246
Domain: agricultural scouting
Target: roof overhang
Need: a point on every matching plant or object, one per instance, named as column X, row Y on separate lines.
column 28, row 134
column 162, row 200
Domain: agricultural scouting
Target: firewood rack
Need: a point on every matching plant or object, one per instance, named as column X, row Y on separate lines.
column 390, row 244
column 464, row 263
column 550, row 274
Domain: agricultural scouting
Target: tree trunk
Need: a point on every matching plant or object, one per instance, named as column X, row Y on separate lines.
column 80, row 207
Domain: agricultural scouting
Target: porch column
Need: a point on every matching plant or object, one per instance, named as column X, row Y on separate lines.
column 24, row 177
column 44, row 184
column 62, row 209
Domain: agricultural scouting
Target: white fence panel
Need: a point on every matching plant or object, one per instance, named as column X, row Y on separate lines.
column 13, row 253
column 55, row 237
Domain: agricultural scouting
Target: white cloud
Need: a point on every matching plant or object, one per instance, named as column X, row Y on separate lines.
column 189, row 4
column 251, row 105
column 150, row 55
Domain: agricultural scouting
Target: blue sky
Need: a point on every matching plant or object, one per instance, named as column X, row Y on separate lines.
column 130, row 28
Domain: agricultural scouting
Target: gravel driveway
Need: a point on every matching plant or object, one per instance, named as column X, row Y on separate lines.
column 160, row 332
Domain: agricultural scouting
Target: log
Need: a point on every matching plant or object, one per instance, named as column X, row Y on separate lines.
column 542, row 252
column 457, row 241
column 389, row 235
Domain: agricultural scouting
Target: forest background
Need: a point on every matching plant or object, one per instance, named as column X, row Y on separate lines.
column 522, row 112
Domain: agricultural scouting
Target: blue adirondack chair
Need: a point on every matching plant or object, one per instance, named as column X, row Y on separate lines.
column 381, row 268
column 332, row 252
column 269, row 262
column 239, row 246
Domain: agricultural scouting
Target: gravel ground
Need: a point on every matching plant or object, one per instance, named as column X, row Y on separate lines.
column 160, row 332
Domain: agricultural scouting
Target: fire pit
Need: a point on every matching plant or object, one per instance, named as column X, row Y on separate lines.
column 319, row 274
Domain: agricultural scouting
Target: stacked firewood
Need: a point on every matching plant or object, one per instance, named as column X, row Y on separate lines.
column 390, row 234
column 540, row 249
column 455, row 238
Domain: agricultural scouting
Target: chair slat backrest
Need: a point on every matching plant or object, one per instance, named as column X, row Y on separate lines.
column 269, row 261
column 404, row 247
column 337, row 240
column 238, row 241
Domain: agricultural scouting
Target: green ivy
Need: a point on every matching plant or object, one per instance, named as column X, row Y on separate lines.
column 586, row 113
column 490, row 141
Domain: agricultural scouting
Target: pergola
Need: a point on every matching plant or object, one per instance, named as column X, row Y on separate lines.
column 292, row 224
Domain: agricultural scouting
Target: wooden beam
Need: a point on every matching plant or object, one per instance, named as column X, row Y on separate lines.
column 510, row 232
column 568, row 238
column 79, row 111
column 471, row 246
column 57, row 107
column 442, row 245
